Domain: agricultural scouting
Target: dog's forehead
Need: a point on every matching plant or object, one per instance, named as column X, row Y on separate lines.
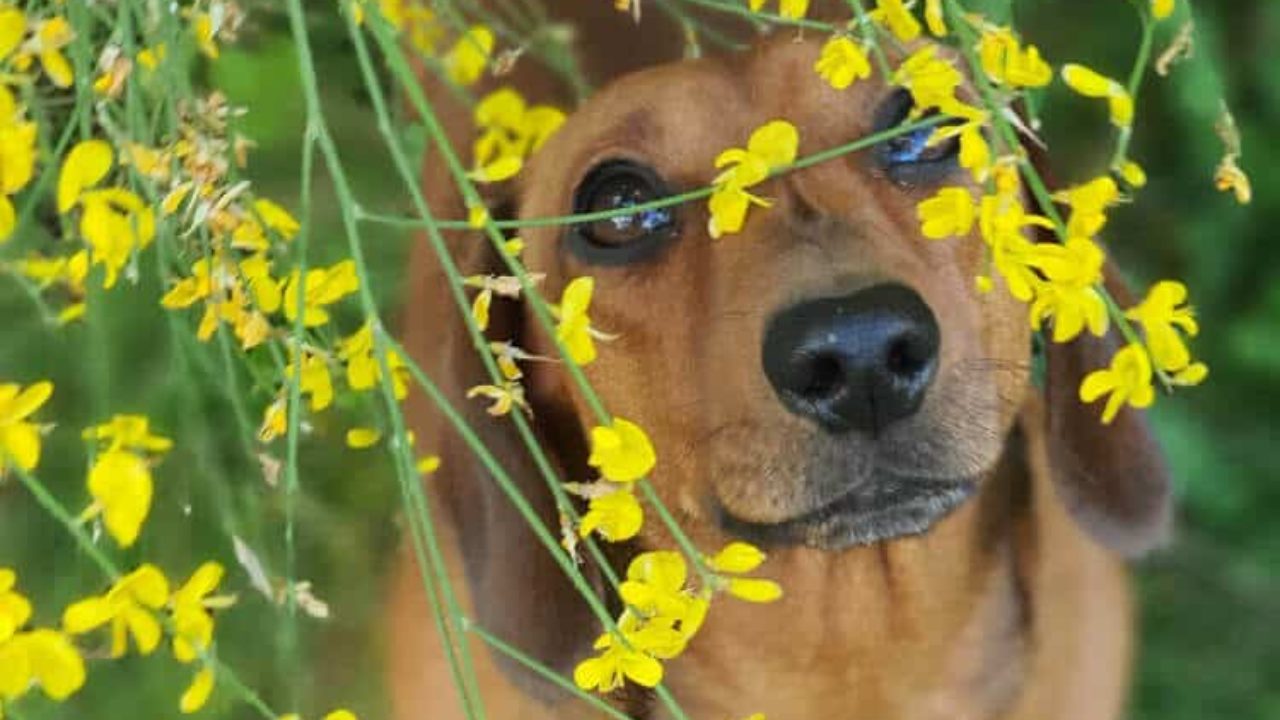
column 681, row 115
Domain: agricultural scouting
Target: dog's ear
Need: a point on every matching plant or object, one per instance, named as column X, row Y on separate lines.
column 1112, row 478
column 517, row 590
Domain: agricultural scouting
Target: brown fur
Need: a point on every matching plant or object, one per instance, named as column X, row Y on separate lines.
column 1004, row 609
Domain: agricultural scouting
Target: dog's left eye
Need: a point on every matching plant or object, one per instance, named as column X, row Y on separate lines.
column 617, row 185
column 908, row 158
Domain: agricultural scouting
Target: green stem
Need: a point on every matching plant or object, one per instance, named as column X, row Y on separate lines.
column 457, row 654
column 1135, row 83
column 289, row 656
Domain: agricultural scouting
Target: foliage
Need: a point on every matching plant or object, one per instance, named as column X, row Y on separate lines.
column 225, row 491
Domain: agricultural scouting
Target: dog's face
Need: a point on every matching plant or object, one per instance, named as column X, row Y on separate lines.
column 827, row 376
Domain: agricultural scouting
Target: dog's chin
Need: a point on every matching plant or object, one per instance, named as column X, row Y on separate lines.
column 896, row 507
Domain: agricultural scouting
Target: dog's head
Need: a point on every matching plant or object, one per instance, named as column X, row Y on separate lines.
column 826, row 377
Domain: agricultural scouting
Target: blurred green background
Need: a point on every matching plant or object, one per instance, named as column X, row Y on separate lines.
column 1210, row 645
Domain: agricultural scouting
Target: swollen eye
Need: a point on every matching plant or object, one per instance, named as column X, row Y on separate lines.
column 623, row 238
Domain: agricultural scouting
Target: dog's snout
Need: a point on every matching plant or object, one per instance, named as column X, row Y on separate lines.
column 857, row 362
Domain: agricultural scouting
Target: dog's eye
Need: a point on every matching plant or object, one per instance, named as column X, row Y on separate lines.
column 908, row 158
column 616, row 185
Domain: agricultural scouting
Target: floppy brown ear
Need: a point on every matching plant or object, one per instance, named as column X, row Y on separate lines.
column 517, row 591
column 1112, row 478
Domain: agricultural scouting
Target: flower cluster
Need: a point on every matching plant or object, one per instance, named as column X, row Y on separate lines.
column 510, row 131
column 663, row 613
column 139, row 607
column 33, row 657
column 1062, row 282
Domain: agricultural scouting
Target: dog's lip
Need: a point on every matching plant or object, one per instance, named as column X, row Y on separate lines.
column 856, row 518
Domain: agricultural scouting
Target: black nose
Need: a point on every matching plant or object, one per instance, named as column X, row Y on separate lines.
column 858, row 362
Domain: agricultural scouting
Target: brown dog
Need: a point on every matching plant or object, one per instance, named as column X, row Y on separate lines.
column 826, row 383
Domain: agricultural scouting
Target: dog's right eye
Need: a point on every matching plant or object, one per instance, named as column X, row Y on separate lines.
column 624, row 238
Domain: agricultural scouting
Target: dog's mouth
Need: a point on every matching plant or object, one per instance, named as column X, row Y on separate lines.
column 889, row 507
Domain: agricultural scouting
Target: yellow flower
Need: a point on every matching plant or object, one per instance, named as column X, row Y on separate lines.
column 1127, row 381
column 120, row 478
column 8, row 219
column 1163, row 313
column 633, row 660
column 480, row 309
column 1133, row 174
column 41, row 657
column 315, row 381
column 85, row 165
column 1001, row 219
column 361, row 437
column 322, row 287
column 363, row 371
column 1072, row 307
column 13, row 27
column 793, row 9
column 204, row 31
column 51, row 36
column 615, row 514
column 574, row 326
column 842, row 61
column 276, row 218
column 121, row 486
column 655, row 587
column 129, row 432
column 1007, row 63
column 621, row 451
column 191, row 605
column 933, row 17
column 756, row 590
column 198, row 692
column 1073, row 271
column 1092, row 84
column 1162, row 9
column 275, row 420
column 114, row 224
column 15, row 609
column 1088, row 203
column 504, row 397
column 466, row 61
column 150, row 57
column 770, row 147
column 894, row 15
column 19, row 438
column 130, row 606
column 17, row 155
column 932, row 81
column 510, row 132
column 737, row 557
column 949, row 212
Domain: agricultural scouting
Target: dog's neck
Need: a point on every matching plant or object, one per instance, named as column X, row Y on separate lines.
column 934, row 626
